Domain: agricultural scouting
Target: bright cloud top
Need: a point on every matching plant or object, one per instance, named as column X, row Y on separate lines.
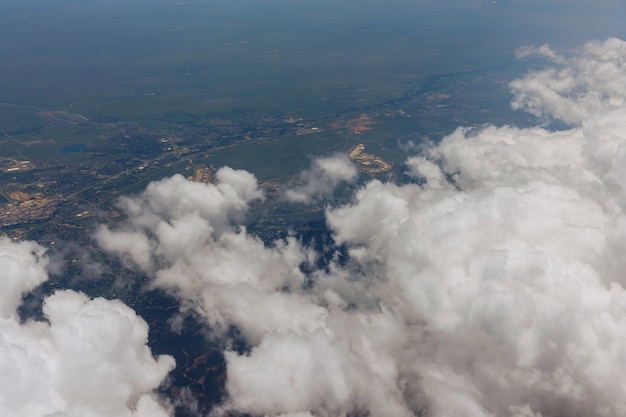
column 180, row 215
column 89, row 359
column 493, row 288
column 591, row 80
column 191, row 248
column 322, row 179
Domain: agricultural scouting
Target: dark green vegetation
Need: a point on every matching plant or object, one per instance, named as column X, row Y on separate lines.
column 107, row 159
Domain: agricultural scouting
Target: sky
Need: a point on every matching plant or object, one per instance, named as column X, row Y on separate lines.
column 489, row 285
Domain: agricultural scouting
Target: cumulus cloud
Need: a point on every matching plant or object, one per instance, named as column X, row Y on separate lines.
column 179, row 215
column 88, row 359
column 508, row 267
column 591, row 80
column 494, row 286
column 322, row 179
column 23, row 268
column 188, row 237
column 542, row 51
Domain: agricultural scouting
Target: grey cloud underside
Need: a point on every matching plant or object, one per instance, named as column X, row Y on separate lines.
column 494, row 288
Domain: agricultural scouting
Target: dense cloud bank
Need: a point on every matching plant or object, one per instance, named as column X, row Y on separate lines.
column 88, row 359
column 492, row 286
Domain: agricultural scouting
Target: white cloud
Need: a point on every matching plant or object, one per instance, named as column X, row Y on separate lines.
column 208, row 260
column 23, row 268
column 322, row 179
column 494, row 288
column 543, row 51
column 89, row 359
column 508, row 271
column 592, row 80
column 182, row 214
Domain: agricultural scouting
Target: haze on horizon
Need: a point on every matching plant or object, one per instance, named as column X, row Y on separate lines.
column 66, row 51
